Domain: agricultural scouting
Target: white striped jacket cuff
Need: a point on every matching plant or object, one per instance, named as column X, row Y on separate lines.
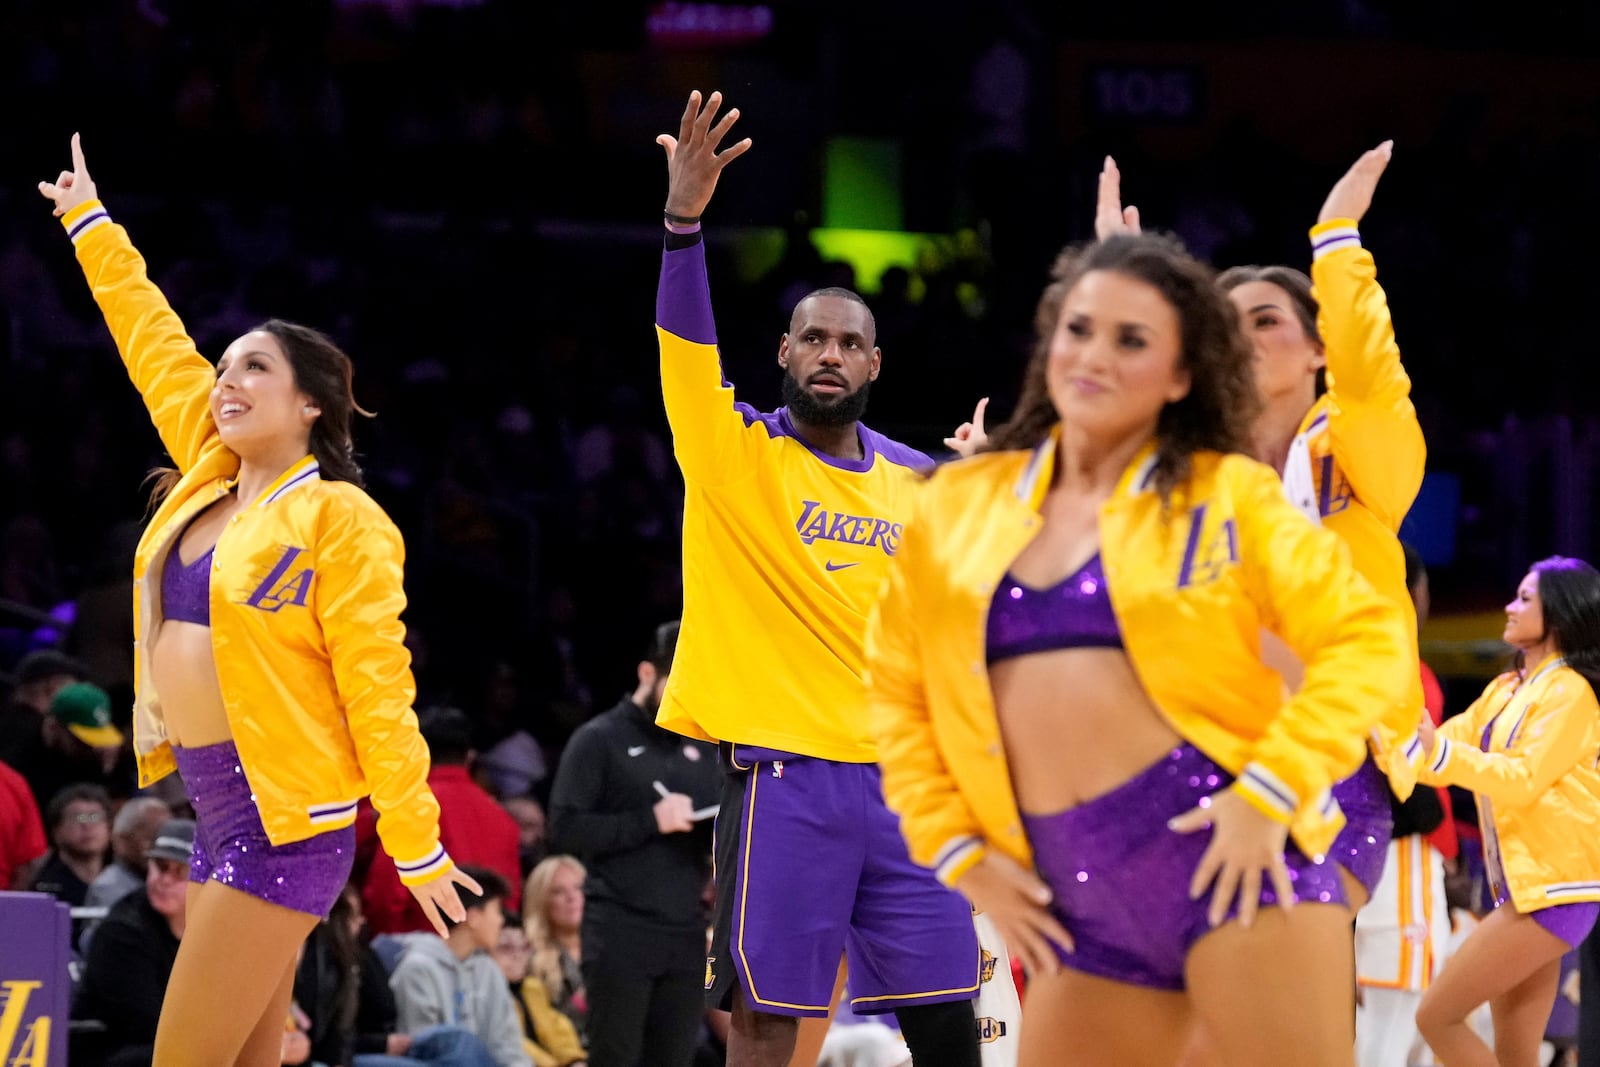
column 1334, row 239
column 1268, row 790
column 414, row 871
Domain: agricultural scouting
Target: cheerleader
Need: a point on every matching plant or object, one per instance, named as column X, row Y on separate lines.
column 1106, row 545
column 1337, row 423
column 271, row 669
column 1528, row 748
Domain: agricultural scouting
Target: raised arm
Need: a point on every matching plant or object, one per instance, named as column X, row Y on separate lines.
column 708, row 428
column 1376, row 437
column 170, row 374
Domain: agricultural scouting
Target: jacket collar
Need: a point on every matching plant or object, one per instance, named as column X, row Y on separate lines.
column 1039, row 472
column 1315, row 418
column 305, row 471
column 1542, row 668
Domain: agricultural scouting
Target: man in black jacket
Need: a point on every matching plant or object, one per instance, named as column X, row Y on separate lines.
column 635, row 802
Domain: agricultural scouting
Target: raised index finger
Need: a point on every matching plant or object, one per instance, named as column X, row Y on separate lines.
column 1110, row 199
column 79, row 167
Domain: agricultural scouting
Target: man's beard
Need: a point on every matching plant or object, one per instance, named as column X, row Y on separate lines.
column 805, row 407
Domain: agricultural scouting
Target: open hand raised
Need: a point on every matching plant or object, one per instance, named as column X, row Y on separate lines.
column 693, row 162
column 1351, row 195
column 73, row 187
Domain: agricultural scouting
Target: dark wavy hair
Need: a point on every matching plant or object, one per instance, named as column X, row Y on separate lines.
column 1301, row 299
column 1569, row 592
column 325, row 374
column 1222, row 401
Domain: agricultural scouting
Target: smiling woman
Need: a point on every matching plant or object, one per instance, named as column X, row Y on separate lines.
column 1526, row 749
column 1076, row 725
column 271, row 670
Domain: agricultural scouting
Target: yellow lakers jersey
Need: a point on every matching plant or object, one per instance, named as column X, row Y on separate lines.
column 784, row 550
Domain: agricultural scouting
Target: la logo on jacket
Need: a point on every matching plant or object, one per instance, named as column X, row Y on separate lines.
column 280, row 588
column 1204, row 558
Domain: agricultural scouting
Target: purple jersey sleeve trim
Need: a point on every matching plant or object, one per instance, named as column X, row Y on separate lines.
column 768, row 420
column 895, row 452
column 873, row 444
column 683, row 299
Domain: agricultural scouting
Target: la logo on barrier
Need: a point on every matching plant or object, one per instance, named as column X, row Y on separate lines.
column 35, row 1048
column 711, row 975
column 986, row 970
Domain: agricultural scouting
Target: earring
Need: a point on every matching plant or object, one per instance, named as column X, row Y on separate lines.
column 309, row 410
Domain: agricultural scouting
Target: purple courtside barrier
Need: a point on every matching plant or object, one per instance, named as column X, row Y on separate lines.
column 35, row 988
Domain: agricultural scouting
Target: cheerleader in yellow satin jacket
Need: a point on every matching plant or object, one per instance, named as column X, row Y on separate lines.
column 1338, row 425
column 1528, row 747
column 270, row 671
column 1066, row 675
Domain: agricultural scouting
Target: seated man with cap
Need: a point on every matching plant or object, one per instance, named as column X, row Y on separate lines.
column 77, row 744
column 36, row 679
column 131, row 955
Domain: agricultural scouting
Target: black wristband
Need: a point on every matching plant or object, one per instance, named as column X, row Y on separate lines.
column 681, row 220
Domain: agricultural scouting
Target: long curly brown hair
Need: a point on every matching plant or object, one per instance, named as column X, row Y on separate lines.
column 1221, row 402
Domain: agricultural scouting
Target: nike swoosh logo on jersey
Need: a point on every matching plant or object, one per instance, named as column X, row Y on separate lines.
column 832, row 566
column 635, row 750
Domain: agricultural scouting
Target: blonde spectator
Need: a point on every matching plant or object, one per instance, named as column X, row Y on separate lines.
column 552, row 913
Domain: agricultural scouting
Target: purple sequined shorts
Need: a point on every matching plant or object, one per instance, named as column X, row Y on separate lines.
column 1121, row 878
column 1570, row 922
column 1363, row 844
column 231, row 846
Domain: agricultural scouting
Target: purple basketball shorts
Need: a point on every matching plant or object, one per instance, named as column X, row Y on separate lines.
column 1121, row 877
column 231, row 846
column 810, row 866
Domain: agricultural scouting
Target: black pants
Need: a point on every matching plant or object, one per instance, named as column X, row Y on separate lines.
column 646, row 992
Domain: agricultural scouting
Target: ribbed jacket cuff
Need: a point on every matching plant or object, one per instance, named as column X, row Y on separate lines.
column 86, row 217
column 1333, row 235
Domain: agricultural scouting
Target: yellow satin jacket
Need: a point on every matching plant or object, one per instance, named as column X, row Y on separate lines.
column 1193, row 579
column 306, row 596
column 1538, row 785
column 1365, row 452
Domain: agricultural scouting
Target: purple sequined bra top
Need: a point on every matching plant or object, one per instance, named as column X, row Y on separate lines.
column 1073, row 613
column 186, row 587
